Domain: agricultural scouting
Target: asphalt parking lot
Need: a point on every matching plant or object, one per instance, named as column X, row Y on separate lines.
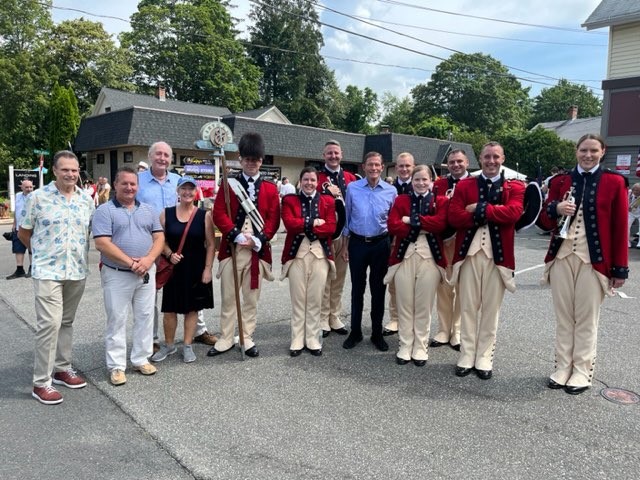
column 346, row 415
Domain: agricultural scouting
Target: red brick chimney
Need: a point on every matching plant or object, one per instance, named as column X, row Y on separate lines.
column 572, row 112
column 161, row 93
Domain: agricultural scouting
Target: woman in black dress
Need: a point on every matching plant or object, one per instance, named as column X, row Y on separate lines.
column 189, row 289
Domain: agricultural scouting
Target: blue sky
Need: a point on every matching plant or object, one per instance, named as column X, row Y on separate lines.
column 584, row 62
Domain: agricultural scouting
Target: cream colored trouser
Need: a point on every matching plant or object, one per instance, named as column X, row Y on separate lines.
column 481, row 292
column 249, row 301
column 416, row 282
column 448, row 305
column 577, row 297
column 332, row 296
column 307, row 279
column 392, row 325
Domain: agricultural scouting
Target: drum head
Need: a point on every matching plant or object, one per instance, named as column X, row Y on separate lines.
column 532, row 207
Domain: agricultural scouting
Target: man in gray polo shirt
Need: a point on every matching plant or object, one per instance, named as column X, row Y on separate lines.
column 129, row 236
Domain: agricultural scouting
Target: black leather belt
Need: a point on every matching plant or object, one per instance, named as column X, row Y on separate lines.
column 375, row 239
column 119, row 269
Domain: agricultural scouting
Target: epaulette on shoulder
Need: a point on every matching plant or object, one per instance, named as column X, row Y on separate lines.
column 613, row 172
column 560, row 177
column 515, row 180
column 269, row 180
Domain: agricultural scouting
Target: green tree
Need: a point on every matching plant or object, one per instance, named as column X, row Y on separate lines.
column 190, row 47
column 553, row 103
column 436, row 127
column 24, row 24
column 285, row 45
column 475, row 138
column 535, row 150
column 63, row 118
column 396, row 113
column 474, row 91
column 361, row 109
column 82, row 55
column 24, row 80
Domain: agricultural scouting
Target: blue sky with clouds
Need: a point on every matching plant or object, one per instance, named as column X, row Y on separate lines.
column 578, row 56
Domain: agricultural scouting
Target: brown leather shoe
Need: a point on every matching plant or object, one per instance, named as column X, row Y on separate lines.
column 206, row 338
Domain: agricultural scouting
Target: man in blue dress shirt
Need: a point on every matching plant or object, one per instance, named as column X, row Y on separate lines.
column 368, row 202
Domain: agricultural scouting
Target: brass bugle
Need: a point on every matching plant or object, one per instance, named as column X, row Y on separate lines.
column 565, row 221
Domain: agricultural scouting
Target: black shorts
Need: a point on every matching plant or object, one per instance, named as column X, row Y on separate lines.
column 16, row 245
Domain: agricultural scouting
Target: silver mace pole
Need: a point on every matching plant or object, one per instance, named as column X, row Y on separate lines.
column 232, row 245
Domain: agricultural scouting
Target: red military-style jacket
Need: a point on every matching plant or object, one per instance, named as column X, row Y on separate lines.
column 298, row 226
column 605, row 210
column 501, row 218
column 433, row 223
column 268, row 204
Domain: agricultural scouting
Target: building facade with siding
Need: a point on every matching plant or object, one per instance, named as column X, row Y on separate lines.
column 621, row 104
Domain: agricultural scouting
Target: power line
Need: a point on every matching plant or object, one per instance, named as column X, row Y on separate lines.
column 86, row 12
column 499, row 20
column 426, row 42
column 466, row 34
column 329, row 56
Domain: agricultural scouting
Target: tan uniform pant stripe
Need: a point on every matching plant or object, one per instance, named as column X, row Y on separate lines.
column 332, row 297
column 481, row 292
column 416, row 282
column 307, row 278
column 577, row 297
column 249, row 301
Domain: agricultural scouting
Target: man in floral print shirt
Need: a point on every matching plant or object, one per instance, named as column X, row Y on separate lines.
column 56, row 227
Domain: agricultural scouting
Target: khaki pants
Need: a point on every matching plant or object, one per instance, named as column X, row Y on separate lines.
column 249, row 300
column 481, row 292
column 56, row 305
column 448, row 304
column 332, row 296
column 415, row 282
column 393, row 309
column 307, row 279
column 577, row 297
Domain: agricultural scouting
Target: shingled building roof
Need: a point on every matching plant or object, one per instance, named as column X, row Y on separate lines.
column 141, row 127
column 613, row 12
column 308, row 142
column 140, row 120
column 119, row 100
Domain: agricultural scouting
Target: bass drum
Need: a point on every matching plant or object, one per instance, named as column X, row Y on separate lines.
column 531, row 208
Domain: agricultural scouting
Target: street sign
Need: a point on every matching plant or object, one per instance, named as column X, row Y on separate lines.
column 41, row 152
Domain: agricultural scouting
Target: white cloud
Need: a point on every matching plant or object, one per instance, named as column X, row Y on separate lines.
column 573, row 62
column 552, row 60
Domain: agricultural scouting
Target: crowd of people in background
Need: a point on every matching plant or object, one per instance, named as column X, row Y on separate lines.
column 445, row 243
